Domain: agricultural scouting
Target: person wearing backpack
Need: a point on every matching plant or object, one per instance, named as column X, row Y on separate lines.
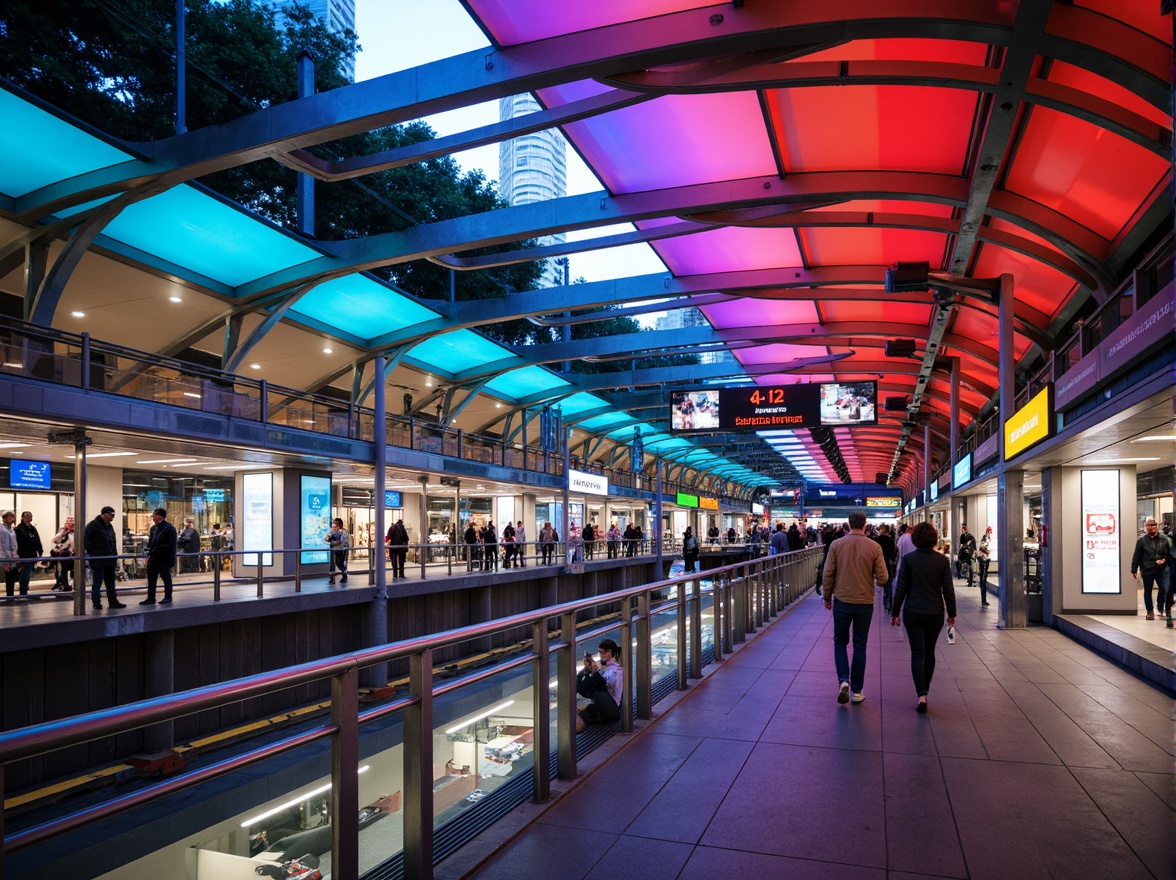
column 338, row 541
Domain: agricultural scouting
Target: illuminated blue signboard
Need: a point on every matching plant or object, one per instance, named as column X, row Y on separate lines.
column 316, row 516
column 962, row 472
column 392, row 499
column 28, row 475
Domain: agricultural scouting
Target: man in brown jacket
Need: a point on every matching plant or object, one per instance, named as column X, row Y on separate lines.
column 855, row 563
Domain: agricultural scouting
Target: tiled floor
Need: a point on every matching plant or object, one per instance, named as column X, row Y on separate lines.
column 1037, row 759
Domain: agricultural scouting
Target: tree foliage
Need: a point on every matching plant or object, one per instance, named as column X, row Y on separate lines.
column 111, row 63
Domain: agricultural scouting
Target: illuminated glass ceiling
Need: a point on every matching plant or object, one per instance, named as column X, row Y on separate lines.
column 964, row 138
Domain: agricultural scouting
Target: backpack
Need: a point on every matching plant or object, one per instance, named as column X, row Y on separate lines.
column 691, row 544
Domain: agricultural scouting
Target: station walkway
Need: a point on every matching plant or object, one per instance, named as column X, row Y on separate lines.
column 1038, row 758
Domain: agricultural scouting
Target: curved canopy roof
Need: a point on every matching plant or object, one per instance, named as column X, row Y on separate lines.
column 778, row 157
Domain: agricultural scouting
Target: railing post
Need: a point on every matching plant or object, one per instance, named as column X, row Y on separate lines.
column 627, row 647
column 739, row 613
column 718, row 589
column 682, row 635
column 541, row 706
column 643, row 657
column 418, row 769
column 260, row 573
column 216, row 579
column 345, row 775
column 263, row 402
column 696, row 628
column 565, row 698
column 85, row 357
column 298, row 570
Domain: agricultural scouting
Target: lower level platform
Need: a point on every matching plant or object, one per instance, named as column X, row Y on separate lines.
column 1038, row 759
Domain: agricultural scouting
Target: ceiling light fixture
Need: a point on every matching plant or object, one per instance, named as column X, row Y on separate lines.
column 477, row 718
column 1170, row 438
column 1121, row 460
column 175, row 299
column 255, row 366
column 78, row 314
column 328, row 351
column 298, row 800
column 192, row 394
column 105, row 454
column 169, row 461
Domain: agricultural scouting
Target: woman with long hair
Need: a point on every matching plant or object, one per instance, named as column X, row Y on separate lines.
column 925, row 587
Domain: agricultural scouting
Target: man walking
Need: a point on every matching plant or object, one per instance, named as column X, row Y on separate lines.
column 855, row 563
column 1151, row 558
column 161, row 556
column 398, row 544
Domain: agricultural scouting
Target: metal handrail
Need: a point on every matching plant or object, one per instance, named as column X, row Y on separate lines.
column 745, row 595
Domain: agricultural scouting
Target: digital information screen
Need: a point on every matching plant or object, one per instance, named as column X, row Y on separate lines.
column 29, row 475
column 764, row 408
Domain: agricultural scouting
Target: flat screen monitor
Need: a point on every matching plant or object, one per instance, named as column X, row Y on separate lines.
column 29, row 475
column 774, row 407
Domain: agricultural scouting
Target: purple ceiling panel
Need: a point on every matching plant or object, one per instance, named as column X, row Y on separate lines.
column 730, row 249
column 758, row 312
column 777, row 352
column 677, row 140
column 521, row 21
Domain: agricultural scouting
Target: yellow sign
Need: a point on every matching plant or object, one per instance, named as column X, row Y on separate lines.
column 708, row 503
column 1031, row 424
column 876, row 501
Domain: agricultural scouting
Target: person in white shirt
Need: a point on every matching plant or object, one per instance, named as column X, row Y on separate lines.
column 602, row 683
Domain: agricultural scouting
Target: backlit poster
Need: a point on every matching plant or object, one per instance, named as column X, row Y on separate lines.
column 1101, row 533
column 256, row 532
column 314, row 516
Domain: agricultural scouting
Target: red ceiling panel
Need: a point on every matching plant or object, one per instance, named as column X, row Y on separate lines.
column 1139, row 14
column 901, row 49
column 1093, row 84
column 1035, row 283
column 1020, row 231
column 856, row 246
column 1085, row 173
column 856, row 128
column 891, row 206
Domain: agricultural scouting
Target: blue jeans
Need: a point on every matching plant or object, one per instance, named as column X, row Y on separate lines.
column 843, row 615
column 1162, row 578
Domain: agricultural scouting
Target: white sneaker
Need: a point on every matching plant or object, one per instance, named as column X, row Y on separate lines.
column 859, row 697
column 843, row 693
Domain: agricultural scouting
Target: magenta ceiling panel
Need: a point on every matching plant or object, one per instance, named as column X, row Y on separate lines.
column 729, row 249
column 861, row 246
column 1085, row 173
column 777, row 353
column 760, row 312
column 522, row 21
column 675, row 141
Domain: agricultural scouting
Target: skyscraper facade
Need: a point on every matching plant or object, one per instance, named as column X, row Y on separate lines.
column 532, row 168
column 338, row 15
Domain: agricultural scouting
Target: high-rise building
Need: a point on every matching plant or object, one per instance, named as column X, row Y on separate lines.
column 338, row 15
column 532, row 168
column 679, row 319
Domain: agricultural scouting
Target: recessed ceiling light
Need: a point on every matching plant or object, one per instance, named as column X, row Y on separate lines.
column 1150, row 438
column 328, row 351
column 105, row 454
column 498, row 405
column 168, row 461
column 428, row 383
column 192, row 394
column 255, row 366
column 15, row 366
column 175, row 299
column 78, row 314
column 232, row 467
column 12, row 445
column 1119, row 460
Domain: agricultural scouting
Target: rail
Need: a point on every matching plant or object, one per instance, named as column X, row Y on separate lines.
column 743, row 597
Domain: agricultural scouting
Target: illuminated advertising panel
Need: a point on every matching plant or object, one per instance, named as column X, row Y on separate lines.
column 708, row 503
column 962, row 472
column 882, row 501
column 257, row 518
column 935, row 491
column 590, row 484
column 1029, row 425
column 684, row 500
column 1101, row 533
column 392, row 499
column 758, row 408
column 314, row 516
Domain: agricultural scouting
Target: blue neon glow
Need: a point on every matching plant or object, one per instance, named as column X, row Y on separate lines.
column 40, row 149
column 451, row 353
column 195, row 231
column 518, row 384
column 607, row 422
column 361, row 307
column 578, row 403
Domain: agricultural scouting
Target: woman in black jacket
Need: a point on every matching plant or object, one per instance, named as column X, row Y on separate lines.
column 925, row 587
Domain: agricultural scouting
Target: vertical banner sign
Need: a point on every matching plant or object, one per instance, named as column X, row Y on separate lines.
column 257, row 511
column 315, row 516
column 1101, row 533
column 636, row 452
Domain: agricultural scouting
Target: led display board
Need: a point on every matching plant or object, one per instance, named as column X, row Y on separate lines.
column 883, row 501
column 962, row 472
column 28, row 475
column 708, row 503
column 684, row 500
column 315, row 516
column 590, row 484
column 392, row 499
column 1029, row 425
column 214, row 495
column 768, row 407
column 257, row 515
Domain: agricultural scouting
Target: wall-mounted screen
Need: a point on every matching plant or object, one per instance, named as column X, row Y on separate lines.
column 1101, row 533
column 315, row 520
column 257, row 516
column 28, row 475
column 392, row 499
column 774, row 407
